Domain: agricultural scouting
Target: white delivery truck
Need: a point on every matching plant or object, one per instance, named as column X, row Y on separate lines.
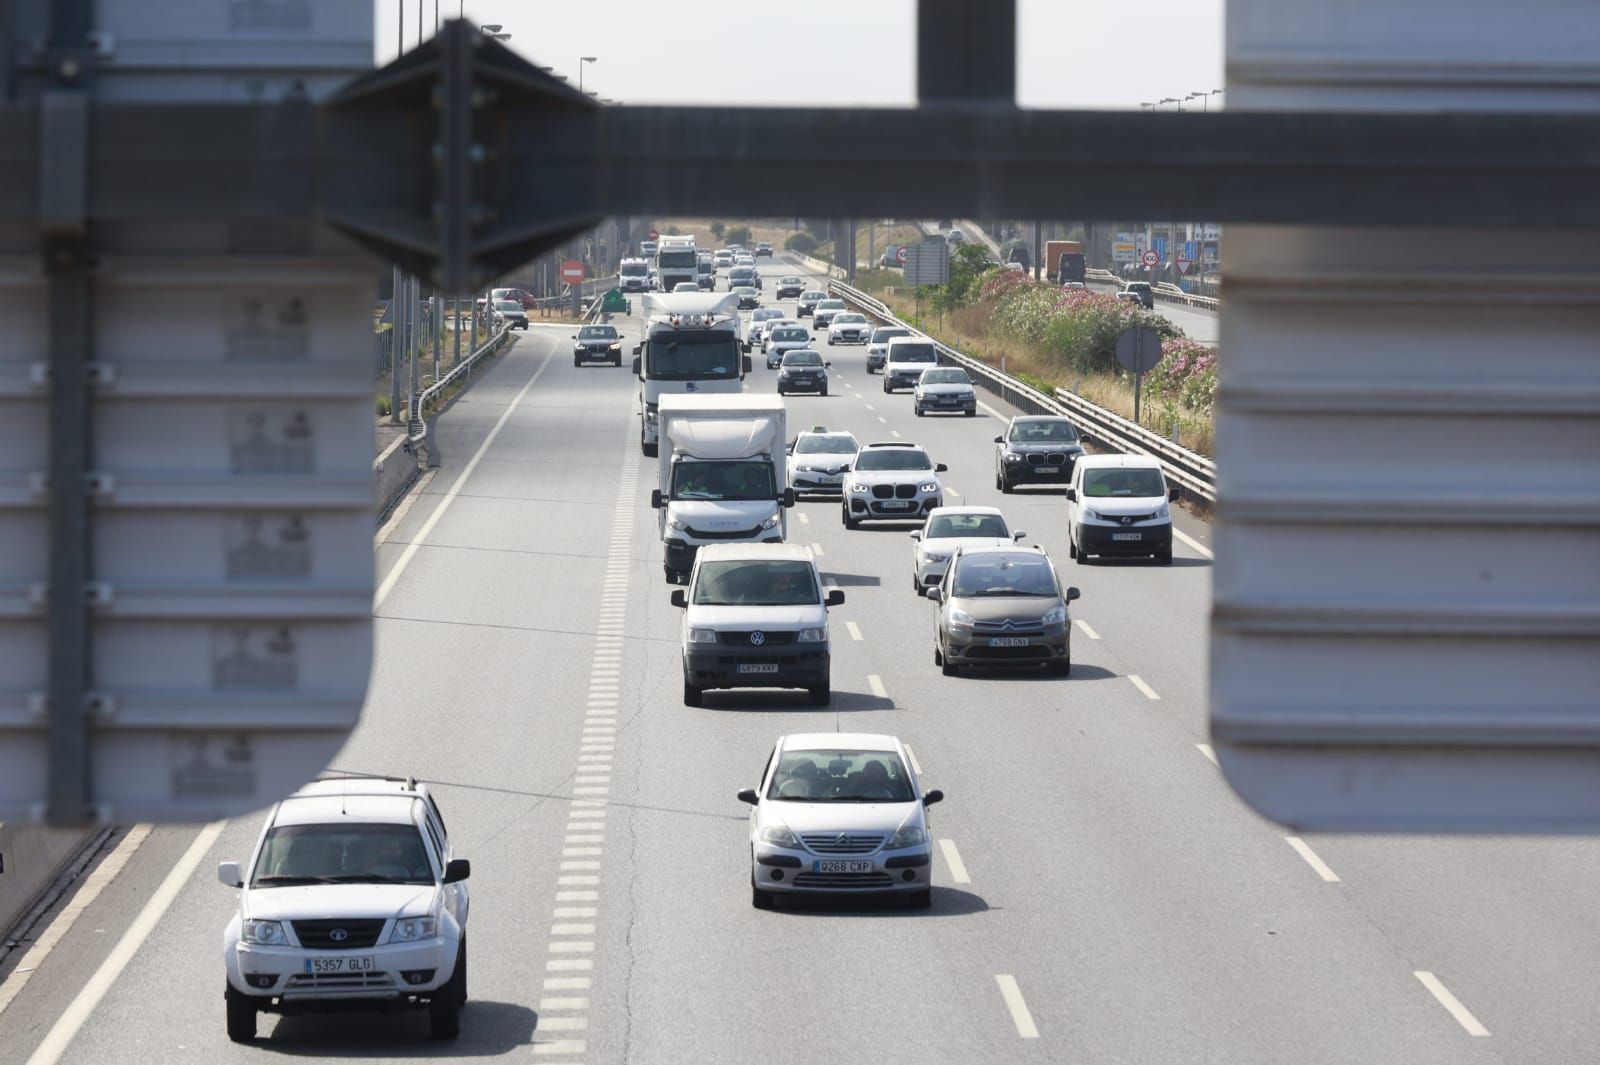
column 692, row 344
column 677, row 260
column 723, row 475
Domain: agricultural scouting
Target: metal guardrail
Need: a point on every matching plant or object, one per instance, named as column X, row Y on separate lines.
column 1162, row 290
column 1191, row 471
column 416, row 424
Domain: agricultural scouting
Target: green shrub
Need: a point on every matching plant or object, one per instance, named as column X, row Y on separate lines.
column 804, row 243
column 383, row 407
column 717, row 228
column 737, row 235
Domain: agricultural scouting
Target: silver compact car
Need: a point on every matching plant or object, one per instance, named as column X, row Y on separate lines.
column 945, row 390
column 819, row 458
column 1002, row 606
column 950, row 529
column 839, row 813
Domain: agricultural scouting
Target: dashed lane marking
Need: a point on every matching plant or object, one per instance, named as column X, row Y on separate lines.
column 1148, row 692
column 1202, row 549
column 1211, row 756
column 1302, row 848
column 850, row 627
column 915, row 768
column 875, row 683
column 1012, row 996
column 952, row 858
column 1084, row 626
column 1462, row 1015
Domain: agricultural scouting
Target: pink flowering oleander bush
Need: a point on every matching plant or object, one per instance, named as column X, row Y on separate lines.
column 1076, row 329
column 1185, row 377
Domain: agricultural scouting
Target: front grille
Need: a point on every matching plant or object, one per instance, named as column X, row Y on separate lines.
column 1128, row 519
column 883, row 491
column 1047, row 460
column 1008, row 627
column 367, row 981
column 844, row 880
column 905, row 491
column 768, row 639
column 359, row 932
column 723, row 534
column 840, row 843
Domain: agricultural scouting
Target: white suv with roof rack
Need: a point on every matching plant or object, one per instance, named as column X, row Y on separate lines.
column 353, row 899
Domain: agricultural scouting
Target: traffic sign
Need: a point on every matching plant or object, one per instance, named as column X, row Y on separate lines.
column 1138, row 351
column 900, row 254
column 1151, row 258
column 655, row 234
column 1183, row 265
column 572, row 271
column 928, row 263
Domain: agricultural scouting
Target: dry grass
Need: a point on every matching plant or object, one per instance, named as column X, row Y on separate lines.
column 772, row 230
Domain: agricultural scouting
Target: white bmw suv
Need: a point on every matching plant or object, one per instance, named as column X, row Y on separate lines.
column 890, row 480
column 352, row 900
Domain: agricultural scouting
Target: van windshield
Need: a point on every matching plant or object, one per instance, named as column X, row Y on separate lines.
column 1114, row 483
column 912, row 353
column 692, row 354
column 634, row 269
column 750, row 582
column 732, row 479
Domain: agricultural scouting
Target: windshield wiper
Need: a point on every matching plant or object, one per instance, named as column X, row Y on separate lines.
column 289, row 881
column 371, row 878
column 1003, row 593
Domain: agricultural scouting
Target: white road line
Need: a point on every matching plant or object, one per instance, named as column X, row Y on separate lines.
column 984, row 406
column 952, row 858
column 572, row 929
column 850, row 627
column 78, row 1011
column 1012, row 994
column 547, row 1005
column 591, row 814
column 816, row 549
column 105, row 872
column 951, row 492
column 421, row 538
column 1202, row 549
column 569, row 965
column 882, row 419
column 1205, row 749
column 567, row 983
column 574, row 912
column 915, row 768
column 561, row 1046
column 1087, row 631
column 805, row 519
column 1149, row 692
column 1462, row 1015
column 563, row 1024
column 1304, row 850
column 875, row 683
column 575, row 946
column 871, row 407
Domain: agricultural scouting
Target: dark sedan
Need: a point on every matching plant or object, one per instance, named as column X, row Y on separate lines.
column 1035, row 449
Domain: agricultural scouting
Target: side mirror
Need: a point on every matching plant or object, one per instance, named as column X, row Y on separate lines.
column 1019, row 534
column 787, row 499
column 230, row 874
column 748, row 365
column 1072, row 495
column 934, row 592
column 941, row 468
column 637, row 367
column 915, row 534
column 747, row 795
column 574, row 336
column 835, row 598
column 999, row 439
column 845, row 468
column 931, row 797
column 1173, row 494
column 1073, row 593
column 457, row 870
column 680, row 599
column 655, row 499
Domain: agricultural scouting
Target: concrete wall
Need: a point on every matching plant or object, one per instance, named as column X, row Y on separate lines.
column 32, row 856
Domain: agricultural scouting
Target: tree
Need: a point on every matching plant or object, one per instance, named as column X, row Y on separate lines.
column 804, row 243
column 737, row 235
column 716, row 228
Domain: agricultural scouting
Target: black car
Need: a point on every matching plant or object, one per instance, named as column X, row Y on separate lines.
column 1036, row 449
column 600, row 343
column 744, row 275
column 808, row 303
column 791, row 287
column 803, row 371
column 764, row 248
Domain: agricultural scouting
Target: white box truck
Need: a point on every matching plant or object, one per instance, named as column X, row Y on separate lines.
column 723, row 475
column 692, row 344
column 677, row 261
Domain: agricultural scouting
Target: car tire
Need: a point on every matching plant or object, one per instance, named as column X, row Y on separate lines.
column 972, row 413
column 938, row 655
column 824, row 390
column 886, row 388
column 241, row 1016
column 444, row 1009
column 918, row 411
column 693, row 696
column 949, row 668
column 780, row 392
column 1006, row 487
column 1164, row 558
column 920, row 900
column 761, row 900
column 577, row 361
column 821, row 694
column 1072, row 548
column 844, row 513
column 1061, row 668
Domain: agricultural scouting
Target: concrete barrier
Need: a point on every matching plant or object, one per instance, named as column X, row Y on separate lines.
column 31, row 857
column 392, row 472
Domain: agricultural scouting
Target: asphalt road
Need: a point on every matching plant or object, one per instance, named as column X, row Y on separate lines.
column 1101, row 895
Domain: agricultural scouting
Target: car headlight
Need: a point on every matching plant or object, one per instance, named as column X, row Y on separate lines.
column 907, row 836
column 782, row 373
column 1058, row 616
column 930, row 486
column 1097, row 516
column 1163, row 511
column 770, row 523
column 1012, row 456
column 960, row 619
column 411, row 929
column 702, row 635
column 677, row 523
column 616, row 347
column 929, row 556
column 265, row 933
column 780, row 836
column 859, row 488
column 814, row 635
column 650, row 416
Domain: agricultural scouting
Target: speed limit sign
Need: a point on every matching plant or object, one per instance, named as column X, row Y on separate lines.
column 1151, row 258
column 900, row 254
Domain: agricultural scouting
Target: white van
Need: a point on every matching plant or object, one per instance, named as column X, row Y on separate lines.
column 1117, row 506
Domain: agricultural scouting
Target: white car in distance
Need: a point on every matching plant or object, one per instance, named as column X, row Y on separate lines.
column 849, row 328
column 819, row 458
column 839, row 813
column 950, row 528
column 759, row 318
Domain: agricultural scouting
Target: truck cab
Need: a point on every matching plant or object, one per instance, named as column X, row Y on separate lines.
column 692, row 344
column 677, row 261
column 722, row 476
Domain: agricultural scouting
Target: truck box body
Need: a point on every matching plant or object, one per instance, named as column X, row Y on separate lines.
column 721, row 473
column 1054, row 250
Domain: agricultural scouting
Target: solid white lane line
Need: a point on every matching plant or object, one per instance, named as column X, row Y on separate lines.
column 850, row 627
column 952, row 492
column 984, row 406
column 1084, row 626
column 1149, row 692
column 1304, row 850
column 423, row 533
column 875, row 684
column 83, row 1005
column 911, row 754
column 1196, row 545
column 1205, row 749
column 1462, row 1015
column 1012, row 994
column 952, row 858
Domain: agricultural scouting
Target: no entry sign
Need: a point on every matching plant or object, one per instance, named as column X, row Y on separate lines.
column 572, row 271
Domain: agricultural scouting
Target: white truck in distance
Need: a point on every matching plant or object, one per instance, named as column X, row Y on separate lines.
column 723, row 475
column 677, row 260
column 692, row 344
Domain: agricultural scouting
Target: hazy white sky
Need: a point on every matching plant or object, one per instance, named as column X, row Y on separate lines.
column 1073, row 53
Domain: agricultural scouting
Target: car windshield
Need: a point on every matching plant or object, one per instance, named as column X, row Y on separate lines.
column 765, row 313
column 756, row 582
column 811, row 296
column 893, row 458
column 793, row 281
column 789, row 333
column 831, row 305
column 634, row 269
column 743, row 290
column 913, row 353
column 1050, row 432
column 676, row 259
column 693, row 353
column 945, row 377
column 1115, row 483
column 802, row 358
column 993, row 575
column 507, row 305
column 840, row 776
column 598, row 332
column 358, row 852
column 825, row 445
column 723, row 479
column 848, row 319
column 883, row 336
column 945, row 526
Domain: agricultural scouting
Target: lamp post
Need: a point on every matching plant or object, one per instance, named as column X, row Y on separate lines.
column 581, row 61
column 493, row 30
